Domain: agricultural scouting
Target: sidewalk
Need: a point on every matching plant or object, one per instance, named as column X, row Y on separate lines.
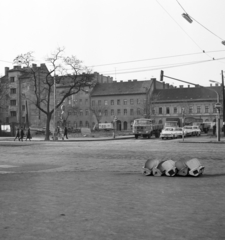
column 204, row 139
column 73, row 139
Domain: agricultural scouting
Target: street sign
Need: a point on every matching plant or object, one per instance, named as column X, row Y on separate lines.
column 218, row 105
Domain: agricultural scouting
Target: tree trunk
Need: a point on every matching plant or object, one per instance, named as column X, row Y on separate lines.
column 47, row 127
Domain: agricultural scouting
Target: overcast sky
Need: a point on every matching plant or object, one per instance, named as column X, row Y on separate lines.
column 130, row 39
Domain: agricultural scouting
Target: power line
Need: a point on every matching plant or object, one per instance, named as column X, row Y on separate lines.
column 156, row 58
column 200, row 23
column 167, row 67
column 179, row 25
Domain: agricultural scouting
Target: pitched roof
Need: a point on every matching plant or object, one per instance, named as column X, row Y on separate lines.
column 193, row 93
column 120, row 88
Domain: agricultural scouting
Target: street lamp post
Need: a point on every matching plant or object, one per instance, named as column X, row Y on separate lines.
column 54, row 132
column 218, row 107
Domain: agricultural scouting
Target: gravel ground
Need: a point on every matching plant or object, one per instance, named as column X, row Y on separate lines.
column 95, row 190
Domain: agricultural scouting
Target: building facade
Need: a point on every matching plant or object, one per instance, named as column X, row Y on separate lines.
column 108, row 100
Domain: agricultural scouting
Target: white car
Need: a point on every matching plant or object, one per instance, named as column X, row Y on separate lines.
column 192, row 130
column 196, row 131
column 168, row 132
column 179, row 132
column 188, row 130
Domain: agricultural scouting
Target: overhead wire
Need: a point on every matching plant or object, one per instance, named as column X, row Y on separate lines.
column 199, row 22
column 167, row 67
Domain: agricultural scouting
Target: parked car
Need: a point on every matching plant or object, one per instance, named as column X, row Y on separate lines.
column 168, row 132
column 196, row 131
column 192, row 130
column 188, row 130
column 179, row 132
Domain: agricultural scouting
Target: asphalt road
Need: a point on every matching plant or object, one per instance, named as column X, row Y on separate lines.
column 95, row 190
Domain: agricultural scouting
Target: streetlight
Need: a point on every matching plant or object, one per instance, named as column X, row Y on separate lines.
column 217, row 106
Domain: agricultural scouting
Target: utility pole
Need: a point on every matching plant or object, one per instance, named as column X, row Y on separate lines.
column 223, row 104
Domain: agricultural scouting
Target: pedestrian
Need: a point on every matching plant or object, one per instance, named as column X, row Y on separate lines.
column 21, row 134
column 28, row 135
column 17, row 134
column 65, row 132
column 61, row 133
column 214, row 129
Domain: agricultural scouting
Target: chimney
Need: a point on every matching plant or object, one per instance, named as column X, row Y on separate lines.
column 6, row 70
column 121, row 80
column 216, row 84
column 181, row 86
column 210, row 84
column 135, row 80
column 34, row 65
column 129, row 80
column 188, row 86
column 167, row 85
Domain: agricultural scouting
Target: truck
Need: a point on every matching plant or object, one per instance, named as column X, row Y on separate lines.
column 172, row 122
column 146, row 128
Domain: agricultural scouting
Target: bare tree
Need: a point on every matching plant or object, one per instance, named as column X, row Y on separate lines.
column 98, row 112
column 66, row 71
column 67, row 112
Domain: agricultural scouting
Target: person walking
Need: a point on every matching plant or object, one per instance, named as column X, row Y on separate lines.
column 21, row 134
column 65, row 132
column 17, row 134
column 28, row 135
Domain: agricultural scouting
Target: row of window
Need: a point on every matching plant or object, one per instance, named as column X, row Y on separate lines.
column 112, row 102
column 106, row 112
column 190, row 110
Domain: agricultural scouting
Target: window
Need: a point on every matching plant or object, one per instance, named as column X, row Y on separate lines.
column 105, row 102
column 167, row 110
column 124, row 102
column 160, row 110
column 12, row 90
column 131, row 112
column 112, row 112
column 175, row 110
column 153, row 111
column 93, row 103
column 138, row 111
column 75, row 101
column 86, row 101
column 198, row 109
column 12, row 102
column 118, row 111
column 106, row 112
column 69, row 101
column 99, row 102
column 144, row 101
column 131, row 101
column 13, row 113
column 81, row 112
column 80, row 101
column 99, row 113
column 214, row 110
column 112, row 102
column 206, row 109
column 118, row 102
column 23, row 107
column 12, row 79
column 23, row 119
column 190, row 110
column 138, row 101
column 86, row 112
column 81, row 124
column 125, row 111
column 87, row 124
